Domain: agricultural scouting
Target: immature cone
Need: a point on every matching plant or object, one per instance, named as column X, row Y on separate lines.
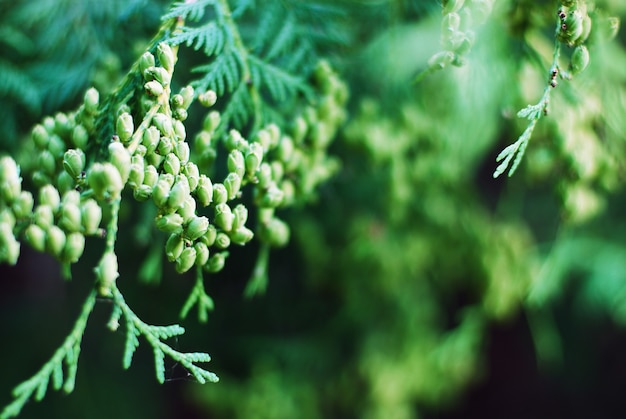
column 220, row 193
column 120, row 157
column 91, row 101
column 40, row 137
column 91, row 215
column 136, row 175
column 105, row 180
column 571, row 27
column 241, row 216
column 71, row 197
column 107, row 273
column 146, row 61
column 241, row 236
column 74, row 162
column 150, row 139
column 70, row 218
column 236, row 163
column 285, row 149
column 23, row 206
column 188, row 209
column 187, row 93
column 10, row 181
column 80, row 136
column 124, row 127
column 224, row 217
column 275, row 232
column 186, row 260
column 9, row 246
column 170, row 223
column 74, row 247
column 580, row 59
column 202, row 253
column 178, row 193
column 216, row 262
column 207, row 98
column 192, row 173
column 234, row 140
column 174, row 247
column 196, row 228
column 65, row 182
column 158, row 74
column 142, row 193
column 164, row 124
column 232, row 183
column 166, row 146
column 265, row 175
column 210, row 236
column 179, row 129
column 154, row 88
column 46, row 162
column 49, row 195
column 36, row 237
column 161, row 192
column 254, row 157
column 55, row 241
column 204, row 190
column 7, row 217
column 222, row 241
column 166, row 56
column 211, row 121
column 181, row 149
column 150, row 176
column 43, row 216
column 171, row 164
column 272, row 197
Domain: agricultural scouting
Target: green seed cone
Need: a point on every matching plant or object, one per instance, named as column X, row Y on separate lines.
column 36, row 237
column 196, row 228
column 186, row 260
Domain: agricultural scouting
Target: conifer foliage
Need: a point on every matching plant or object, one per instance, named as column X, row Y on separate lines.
column 133, row 144
column 355, row 134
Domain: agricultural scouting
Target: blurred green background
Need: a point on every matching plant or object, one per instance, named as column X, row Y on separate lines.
column 417, row 286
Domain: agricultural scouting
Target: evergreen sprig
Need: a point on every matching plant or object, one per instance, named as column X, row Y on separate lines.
column 65, row 356
column 269, row 72
column 155, row 335
column 135, row 142
column 573, row 27
column 198, row 297
column 533, row 113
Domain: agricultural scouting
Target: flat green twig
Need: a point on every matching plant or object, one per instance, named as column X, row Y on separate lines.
column 259, row 279
column 67, row 354
column 515, row 152
column 199, row 297
column 155, row 335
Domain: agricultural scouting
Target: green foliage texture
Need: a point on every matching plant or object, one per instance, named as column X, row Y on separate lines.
column 355, row 148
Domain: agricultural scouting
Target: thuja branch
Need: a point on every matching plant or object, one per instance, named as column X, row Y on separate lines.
column 259, row 279
column 244, row 61
column 155, row 336
column 199, row 297
column 250, row 84
column 67, row 354
column 533, row 113
column 573, row 28
column 106, row 116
